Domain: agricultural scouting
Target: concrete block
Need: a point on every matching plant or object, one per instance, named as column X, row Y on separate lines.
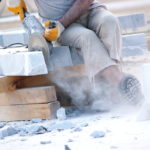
column 133, row 21
column 60, row 57
column 23, row 63
column 134, row 45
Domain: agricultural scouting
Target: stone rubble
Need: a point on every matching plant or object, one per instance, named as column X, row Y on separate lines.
column 7, row 131
column 61, row 114
column 36, row 120
column 98, row 134
column 2, row 124
column 45, row 142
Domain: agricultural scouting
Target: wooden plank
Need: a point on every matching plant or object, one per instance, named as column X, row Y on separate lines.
column 28, row 96
column 46, row 80
column 16, row 82
column 28, row 112
column 8, row 83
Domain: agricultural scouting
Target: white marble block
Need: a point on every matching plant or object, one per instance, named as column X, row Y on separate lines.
column 22, row 64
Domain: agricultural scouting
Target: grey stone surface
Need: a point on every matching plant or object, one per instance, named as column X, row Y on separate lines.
column 7, row 131
column 61, row 126
column 98, row 134
column 61, row 114
column 36, row 120
column 134, row 45
column 23, row 63
column 132, row 21
column 60, row 57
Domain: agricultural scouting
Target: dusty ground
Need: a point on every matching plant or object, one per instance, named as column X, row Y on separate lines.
column 122, row 127
column 122, row 132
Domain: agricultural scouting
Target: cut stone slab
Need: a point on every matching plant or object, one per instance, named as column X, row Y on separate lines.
column 60, row 57
column 134, row 45
column 11, row 37
column 22, row 64
column 132, row 23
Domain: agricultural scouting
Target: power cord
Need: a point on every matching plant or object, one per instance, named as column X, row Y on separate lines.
column 14, row 45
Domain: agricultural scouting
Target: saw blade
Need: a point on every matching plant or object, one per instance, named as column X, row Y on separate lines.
column 38, row 43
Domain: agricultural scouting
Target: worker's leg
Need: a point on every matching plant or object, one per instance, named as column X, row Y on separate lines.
column 94, row 53
column 106, row 26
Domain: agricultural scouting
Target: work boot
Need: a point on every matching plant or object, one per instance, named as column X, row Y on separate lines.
column 130, row 89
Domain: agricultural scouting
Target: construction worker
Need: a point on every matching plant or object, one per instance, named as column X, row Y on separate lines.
column 88, row 26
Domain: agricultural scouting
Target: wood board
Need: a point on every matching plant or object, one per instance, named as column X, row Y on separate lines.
column 28, row 112
column 28, row 96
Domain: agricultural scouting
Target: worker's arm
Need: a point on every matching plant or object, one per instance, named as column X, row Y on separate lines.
column 78, row 8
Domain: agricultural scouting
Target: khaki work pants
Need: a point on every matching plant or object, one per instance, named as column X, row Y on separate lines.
column 97, row 36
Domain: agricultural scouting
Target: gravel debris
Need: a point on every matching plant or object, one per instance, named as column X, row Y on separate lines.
column 61, row 114
column 36, row 120
column 45, row 142
column 98, row 134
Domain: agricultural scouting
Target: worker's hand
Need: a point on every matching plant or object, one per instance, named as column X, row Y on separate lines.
column 17, row 7
column 53, row 30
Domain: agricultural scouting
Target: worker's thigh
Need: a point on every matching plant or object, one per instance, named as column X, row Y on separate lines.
column 92, row 49
column 107, row 28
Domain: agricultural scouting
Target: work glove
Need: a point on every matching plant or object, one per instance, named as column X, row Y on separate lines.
column 53, row 30
column 17, row 7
